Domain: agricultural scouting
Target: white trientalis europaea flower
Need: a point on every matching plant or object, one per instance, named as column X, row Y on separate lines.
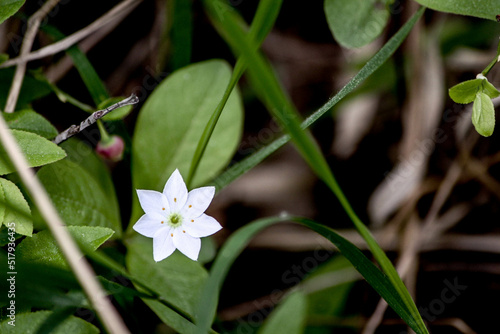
column 175, row 219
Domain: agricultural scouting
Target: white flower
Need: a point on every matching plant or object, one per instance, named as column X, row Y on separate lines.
column 175, row 218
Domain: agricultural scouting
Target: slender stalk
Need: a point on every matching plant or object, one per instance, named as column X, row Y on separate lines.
column 33, row 25
column 74, row 129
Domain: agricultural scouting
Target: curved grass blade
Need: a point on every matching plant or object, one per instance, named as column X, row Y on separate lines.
column 262, row 23
column 280, row 106
column 368, row 69
column 239, row 240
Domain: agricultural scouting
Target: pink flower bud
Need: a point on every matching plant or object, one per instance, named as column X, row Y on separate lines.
column 111, row 150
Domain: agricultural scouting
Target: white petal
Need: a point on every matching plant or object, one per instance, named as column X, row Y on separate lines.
column 163, row 244
column 176, row 192
column 202, row 226
column 187, row 244
column 198, row 201
column 148, row 225
column 153, row 202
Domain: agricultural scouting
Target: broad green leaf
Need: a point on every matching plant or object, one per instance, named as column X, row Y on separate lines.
column 237, row 242
column 116, row 114
column 30, row 323
column 43, row 249
column 355, row 23
column 176, row 279
column 9, row 8
column 486, row 9
column 265, row 82
column 370, row 67
column 289, row 317
column 82, row 155
column 483, row 115
column 171, row 123
column 78, row 197
column 30, row 121
column 10, row 194
column 32, row 89
column 38, row 151
column 465, row 92
column 489, row 89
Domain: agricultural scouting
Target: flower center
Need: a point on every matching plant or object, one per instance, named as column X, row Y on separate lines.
column 175, row 220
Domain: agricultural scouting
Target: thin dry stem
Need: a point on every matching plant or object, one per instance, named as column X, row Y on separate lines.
column 33, row 25
column 116, row 13
column 74, row 129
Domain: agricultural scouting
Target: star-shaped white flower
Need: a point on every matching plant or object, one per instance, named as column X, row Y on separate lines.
column 175, row 218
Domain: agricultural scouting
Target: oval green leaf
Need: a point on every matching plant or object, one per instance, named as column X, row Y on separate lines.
column 483, row 115
column 486, row 9
column 78, row 197
column 32, row 322
column 355, row 23
column 43, row 249
column 10, row 194
column 9, row 8
column 177, row 279
column 37, row 150
column 30, row 121
column 465, row 92
column 172, row 121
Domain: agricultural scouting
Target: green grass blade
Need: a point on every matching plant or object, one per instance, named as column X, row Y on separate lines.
column 283, row 110
column 262, row 23
column 181, row 32
column 87, row 72
column 368, row 69
column 238, row 241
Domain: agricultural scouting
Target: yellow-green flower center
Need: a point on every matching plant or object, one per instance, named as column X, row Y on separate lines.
column 175, row 220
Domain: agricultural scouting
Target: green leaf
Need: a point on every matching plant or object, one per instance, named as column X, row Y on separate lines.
column 483, row 115
column 465, row 92
column 116, row 114
column 78, row 197
column 82, row 155
column 180, row 31
column 486, row 9
column 177, row 280
column 355, row 23
column 30, row 121
column 171, row 123
column 238, row 241
column 43, row 249
column 30, row 323
column 9, row 8
column 329, row 301
column 489, row 89
column 289, row 317
column 10, row 194
column 370, row 67
column 32, row 89
column 38, row 151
